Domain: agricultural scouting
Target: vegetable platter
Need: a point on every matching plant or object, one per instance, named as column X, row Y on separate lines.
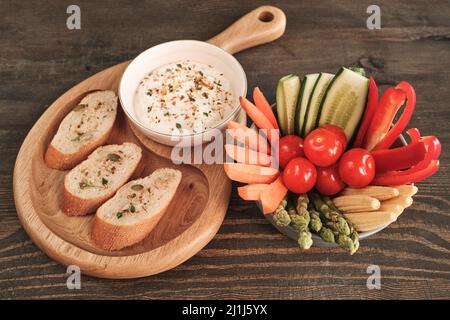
column 329, row 163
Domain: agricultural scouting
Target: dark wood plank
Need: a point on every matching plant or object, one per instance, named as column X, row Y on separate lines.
column 40, row 59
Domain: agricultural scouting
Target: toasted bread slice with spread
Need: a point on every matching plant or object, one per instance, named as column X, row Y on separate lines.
column 97, row 178
column 132, row 213
column 85, row 128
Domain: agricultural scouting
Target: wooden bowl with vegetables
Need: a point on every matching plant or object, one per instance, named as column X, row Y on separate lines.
column 327, row 164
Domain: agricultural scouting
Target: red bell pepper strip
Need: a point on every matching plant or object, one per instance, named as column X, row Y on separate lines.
column 414, row 134
column 399, row 158
column 422, row 170
column 433, row 146
column 401, row 124
column 371, row 107
column 391, row 100
column 433, row 151
column 407, row 176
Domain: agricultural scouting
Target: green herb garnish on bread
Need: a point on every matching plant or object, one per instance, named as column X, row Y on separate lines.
column 85, row 128
column 133, row 212
column 97, row 178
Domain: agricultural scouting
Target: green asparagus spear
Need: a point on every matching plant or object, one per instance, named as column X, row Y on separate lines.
column 281, row 216
column 283, row 202
column 342, row 226
column 301, row 219
column 297, row 221
column 338, row 222
column 320, row 205
column 315, row 223
column 305, row 239
column 352, row 233
column 343, row 232
column 347, row 238
column 300, row 222
column 339, row 226
column 303, row 200
column 292, row 212
column 327, row 234
column 355, row 238
column 347, row 243
column 330, row 203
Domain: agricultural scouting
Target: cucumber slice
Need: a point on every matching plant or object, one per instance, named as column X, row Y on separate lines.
column 291, row 89
column 306, row 88
column 281, row 109
column 344, row 101
column 287, row 95
column 312, row 110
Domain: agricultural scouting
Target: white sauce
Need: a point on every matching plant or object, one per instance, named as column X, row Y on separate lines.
column 183, row 97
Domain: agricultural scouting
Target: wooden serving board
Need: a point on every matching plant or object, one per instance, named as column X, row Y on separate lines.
column 193, row 217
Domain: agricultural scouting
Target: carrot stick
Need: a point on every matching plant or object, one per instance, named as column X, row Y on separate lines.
column 249, row 173
column 272, row 195
column 247, row 155
column 263, row 105
column 248, row 137
column 251, row 191
column 258, row 117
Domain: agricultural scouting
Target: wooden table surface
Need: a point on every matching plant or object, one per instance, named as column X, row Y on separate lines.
column 40, row 59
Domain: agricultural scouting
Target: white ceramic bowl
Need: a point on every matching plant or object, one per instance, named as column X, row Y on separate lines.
column 172, row 51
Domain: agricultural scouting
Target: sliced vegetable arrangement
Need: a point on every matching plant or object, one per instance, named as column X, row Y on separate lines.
column 325, row 163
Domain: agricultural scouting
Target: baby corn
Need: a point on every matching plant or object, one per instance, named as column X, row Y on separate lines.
column 366, row 221
column 379, row 192
column 356, row 203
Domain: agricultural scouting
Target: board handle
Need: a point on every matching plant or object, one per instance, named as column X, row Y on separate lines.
column 259, row 26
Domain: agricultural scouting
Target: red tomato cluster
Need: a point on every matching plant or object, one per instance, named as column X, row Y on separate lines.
column 319, row 161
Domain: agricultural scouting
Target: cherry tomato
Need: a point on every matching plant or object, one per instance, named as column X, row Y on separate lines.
column 357, row 168
column 328, row 180
column 290, row 147
column 338, row 131
column 323, row 147
column 300, row 175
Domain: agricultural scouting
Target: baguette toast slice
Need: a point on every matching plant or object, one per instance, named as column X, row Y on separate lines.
column 85, row 128
column 133, row 212
column 97, row 178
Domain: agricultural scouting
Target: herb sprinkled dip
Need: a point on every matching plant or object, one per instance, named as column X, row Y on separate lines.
column 183, row 97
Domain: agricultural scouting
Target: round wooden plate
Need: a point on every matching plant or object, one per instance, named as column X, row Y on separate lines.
column 193, row 217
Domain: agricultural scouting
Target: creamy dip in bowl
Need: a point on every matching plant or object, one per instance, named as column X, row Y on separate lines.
column 182, row 92
column 184, row 97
